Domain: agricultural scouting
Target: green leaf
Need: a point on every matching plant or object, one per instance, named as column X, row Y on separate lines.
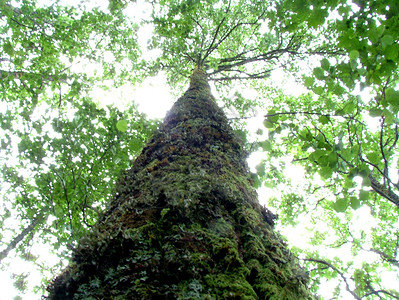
column 373, row 157
column 349, row 108
column 308, row 81
column 375, row 112
column 325, row 64
column 273, row 117
column 340, row 205
column 121, row 125
column 260, row 169
column 318, row 90
column 332, row 158
column 374, row 34
column 257, row 183
column 318, row 73
column 326, row 172
column 339, row 90
column 354, row 54
column 392, row 96
column 316, row 18
column 364, row 195
column 8, row 48
column 324, row 120
column 314, row 156
column 266, row 145
column 354, row 202
column 348, row 183
column 392, row 52
column 387, row 40
column 135, row 145
column 268, row 124
column 164, row 212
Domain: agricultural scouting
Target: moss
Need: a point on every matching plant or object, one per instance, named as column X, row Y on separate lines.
column 230, row 286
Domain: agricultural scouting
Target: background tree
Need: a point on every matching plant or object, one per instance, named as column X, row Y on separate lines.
column 346, row 54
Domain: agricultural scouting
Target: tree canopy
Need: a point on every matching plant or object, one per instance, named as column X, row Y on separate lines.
column 62, row 150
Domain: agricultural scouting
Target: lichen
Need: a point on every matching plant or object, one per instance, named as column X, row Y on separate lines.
column 185, row 222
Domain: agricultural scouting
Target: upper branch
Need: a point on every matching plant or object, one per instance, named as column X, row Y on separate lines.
column 323, row 262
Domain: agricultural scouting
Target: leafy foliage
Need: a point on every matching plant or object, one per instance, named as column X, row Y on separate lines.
column 60, row 152
column 345, row 135
column 230, row 38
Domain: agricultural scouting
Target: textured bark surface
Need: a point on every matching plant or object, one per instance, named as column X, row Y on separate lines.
column 185, row 222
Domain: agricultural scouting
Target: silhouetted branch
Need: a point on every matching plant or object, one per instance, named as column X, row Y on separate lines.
column 260, row 75
column 384, row 191
column 381, row 292
column 19, row 238
column 323, row 262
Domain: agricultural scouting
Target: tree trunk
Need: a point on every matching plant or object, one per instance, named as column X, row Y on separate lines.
column 185, row 222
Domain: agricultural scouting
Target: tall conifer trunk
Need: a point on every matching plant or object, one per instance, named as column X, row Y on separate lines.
column 185, row 222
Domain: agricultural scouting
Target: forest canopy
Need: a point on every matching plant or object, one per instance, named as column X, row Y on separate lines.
column 326, row 150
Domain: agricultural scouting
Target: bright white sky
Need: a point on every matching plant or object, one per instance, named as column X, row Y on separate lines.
column 154, row 99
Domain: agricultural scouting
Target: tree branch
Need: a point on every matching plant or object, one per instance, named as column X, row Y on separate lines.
column 385, row 172
column 385, row 257
column 395, row 139
column 323, row 262
column 249, row 76
column 383, row 191
column 16, row 240
column 19, row 74
column 306, row 113
column 380, row 292
column 211, row 46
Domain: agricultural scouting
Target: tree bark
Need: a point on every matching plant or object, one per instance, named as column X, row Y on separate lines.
column 185, row 222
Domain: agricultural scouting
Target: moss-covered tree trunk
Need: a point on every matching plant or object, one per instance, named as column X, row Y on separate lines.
column 185, row 222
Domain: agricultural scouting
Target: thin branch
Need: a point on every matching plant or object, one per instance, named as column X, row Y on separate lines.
column 395, row 139
column 383, row 191
column 227, row 34
column 241, row 77
column 211, row 46
column 199, row 61
column 349, row 133
column 236, row 57
column 306, row 113
column 23, row 25
column 380, row 292
column 239, row 60
column 385, row 173
column 19, row 74
column 323, row 262
column 321, row 187
column 13, row 244
column 385, row 256
column 64, row 187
